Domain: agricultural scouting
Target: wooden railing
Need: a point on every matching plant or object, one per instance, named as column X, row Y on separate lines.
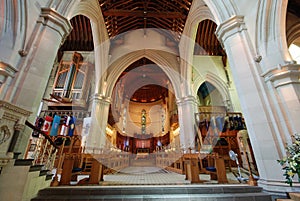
column 79, row 114
column 45, row 151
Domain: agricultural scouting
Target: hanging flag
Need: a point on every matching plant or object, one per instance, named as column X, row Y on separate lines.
column 71, row 126
column 39, row 124
column 55, row 125
column 65, row 126
column 85, row 130
column 86, row 126
column 47, row 124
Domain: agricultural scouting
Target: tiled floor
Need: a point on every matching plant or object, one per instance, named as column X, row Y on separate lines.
column 157, row 176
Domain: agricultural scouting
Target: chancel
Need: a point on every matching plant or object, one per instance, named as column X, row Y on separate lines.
column 149, row 100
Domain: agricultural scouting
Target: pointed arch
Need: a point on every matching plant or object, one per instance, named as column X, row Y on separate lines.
column 215, row 80
column 162, row 59
column 221, row 10
column 293, row 33
column 270, row 31
column 91, row 9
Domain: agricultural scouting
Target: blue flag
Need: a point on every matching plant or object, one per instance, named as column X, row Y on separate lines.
column 72, row 126
column 55, row 125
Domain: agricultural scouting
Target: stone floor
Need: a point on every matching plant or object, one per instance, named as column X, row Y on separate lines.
column 157, row 176
column 152, row 183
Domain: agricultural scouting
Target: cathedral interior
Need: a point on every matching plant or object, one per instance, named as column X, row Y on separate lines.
column 162, row 93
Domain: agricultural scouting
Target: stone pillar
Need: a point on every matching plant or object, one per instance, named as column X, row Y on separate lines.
column 96, row 139
column 15, row 137
column 27, row 87
column 50, row 30
column 256, row 103
column 186, row 114
column 284, row 80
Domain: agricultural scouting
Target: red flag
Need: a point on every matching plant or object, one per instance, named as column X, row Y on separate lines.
column 47, row 124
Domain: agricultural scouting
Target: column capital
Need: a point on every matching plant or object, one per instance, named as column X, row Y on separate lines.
column 283, row 75
column 101, row 98
column 19, row 127
column 186, row 99
column 51, row 18
column 230, row 27
column 6, row 70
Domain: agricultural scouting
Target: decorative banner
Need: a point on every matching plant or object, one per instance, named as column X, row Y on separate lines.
column 65, row 126
column 47, row 124
column 86, row 126
column 71, row 126
column 85, row 130
column 55, row 125
column 39, row 124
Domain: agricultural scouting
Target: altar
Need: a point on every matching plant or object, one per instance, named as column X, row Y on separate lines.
column 141, row 143
column 142, row 153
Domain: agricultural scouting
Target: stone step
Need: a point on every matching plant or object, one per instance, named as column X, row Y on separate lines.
column 176, row 192
column 33, row 168
column 23, row 162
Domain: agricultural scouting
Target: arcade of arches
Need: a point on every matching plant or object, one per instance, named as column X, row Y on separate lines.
column 93, row 87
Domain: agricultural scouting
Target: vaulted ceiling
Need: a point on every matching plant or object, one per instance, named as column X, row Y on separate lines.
column 124, row 15
column 144, row 82
column 121, row 16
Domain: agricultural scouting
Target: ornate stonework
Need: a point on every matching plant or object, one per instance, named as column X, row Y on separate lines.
column 12, row 118
column 4, row 134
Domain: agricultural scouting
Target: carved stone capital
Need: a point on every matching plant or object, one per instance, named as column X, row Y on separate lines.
column 187, row 99
column 283, row 75
column 230, row 27
column 19, row 127
column 51, row 18
column 6, row 70
column 101, row 98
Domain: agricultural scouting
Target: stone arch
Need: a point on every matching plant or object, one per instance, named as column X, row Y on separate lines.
column 272, row 14
column 92, row 10
column 156, row 56
column 198, row 13
column 216, row 11
column 220, row 85
column 293, row 33
column 221, row 10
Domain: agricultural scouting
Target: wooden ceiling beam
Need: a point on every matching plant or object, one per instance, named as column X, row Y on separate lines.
column 129, row 13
